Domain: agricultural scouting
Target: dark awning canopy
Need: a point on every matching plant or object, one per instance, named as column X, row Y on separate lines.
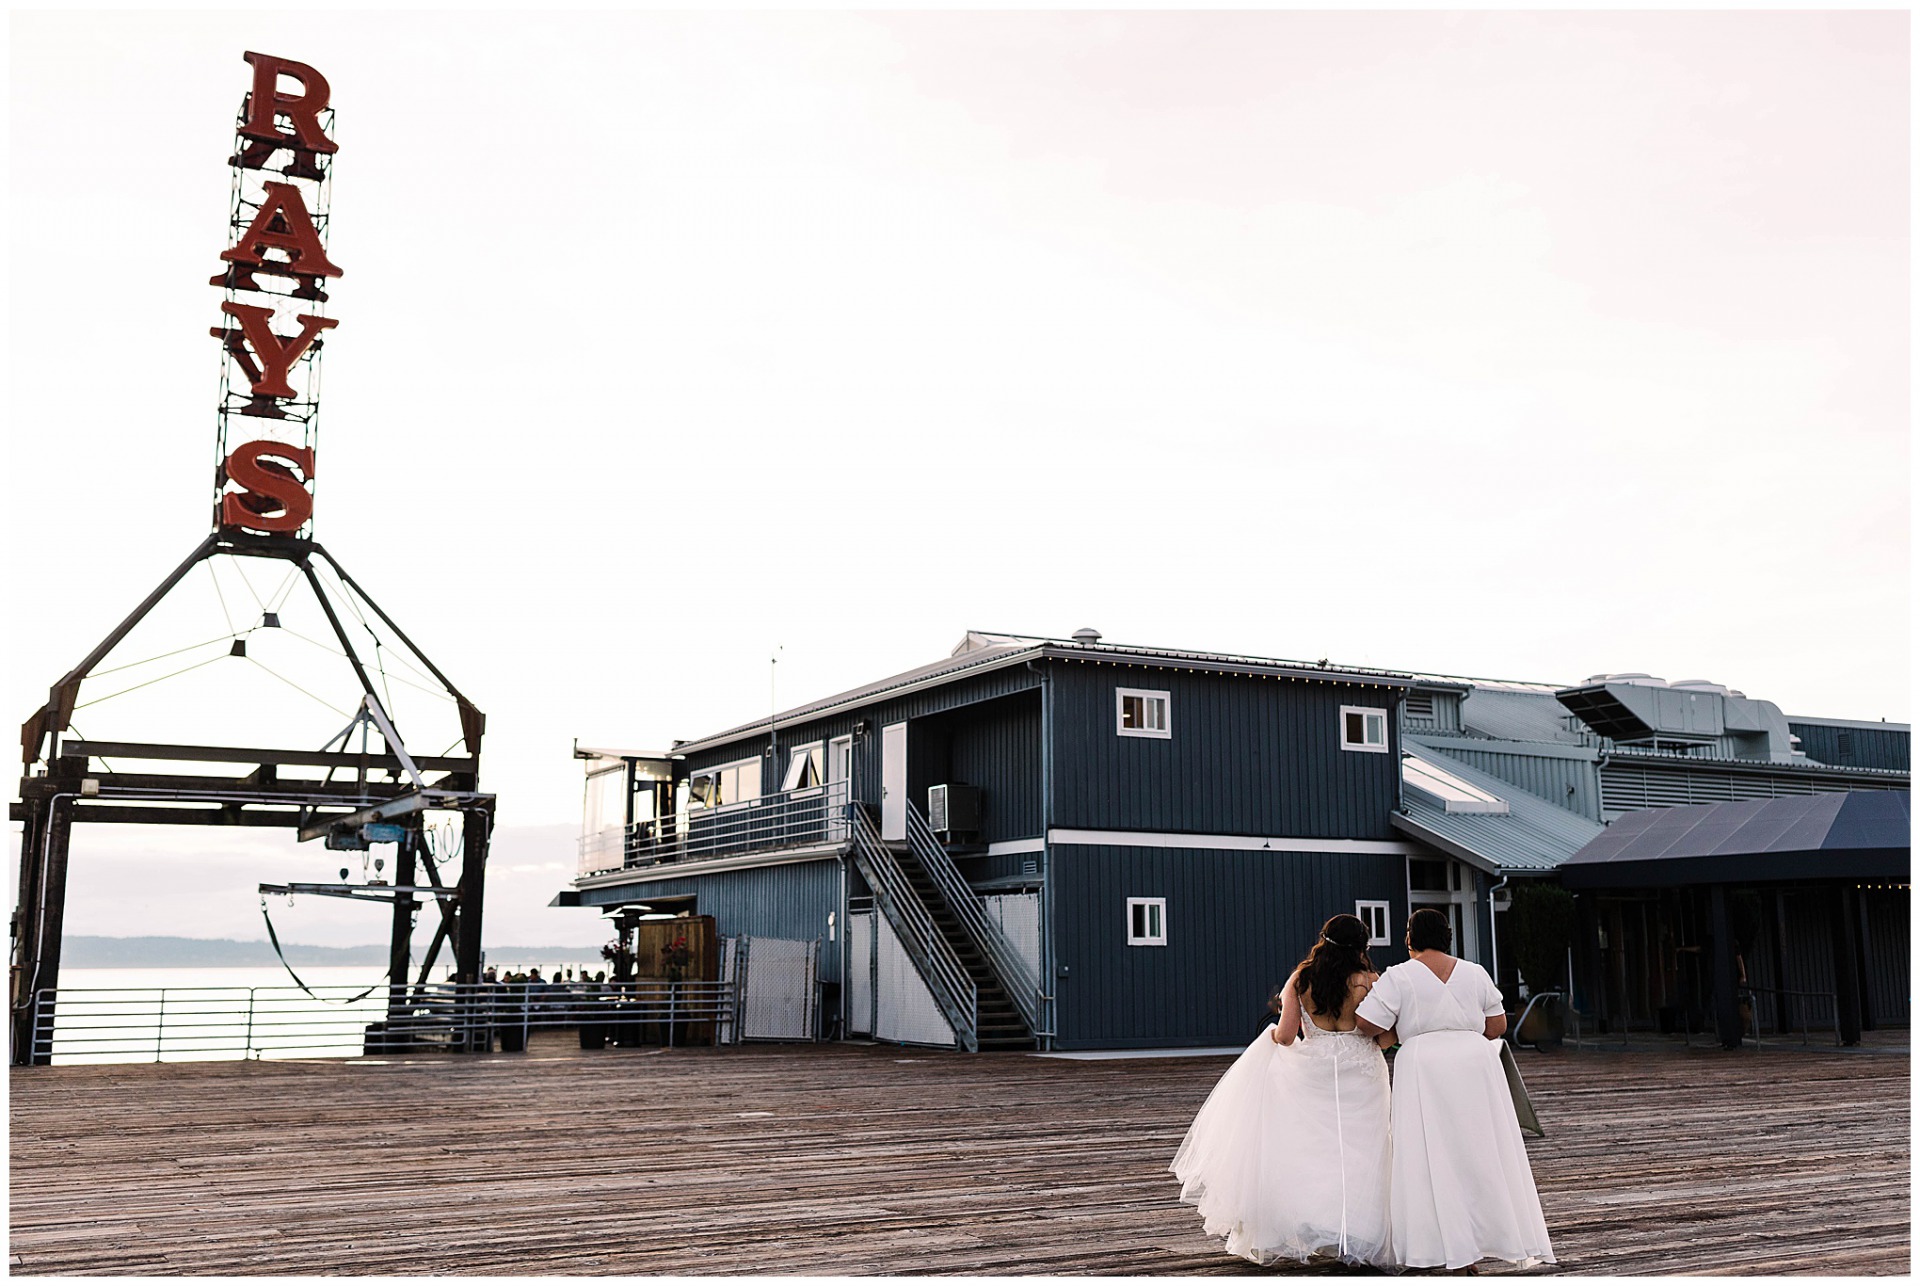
column 1864, row 834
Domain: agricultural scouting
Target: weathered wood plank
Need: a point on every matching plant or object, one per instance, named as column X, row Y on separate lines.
column 864, row 1160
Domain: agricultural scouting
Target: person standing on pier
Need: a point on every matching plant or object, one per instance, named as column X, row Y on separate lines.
column 1289, row 1156
column 1462, row 1188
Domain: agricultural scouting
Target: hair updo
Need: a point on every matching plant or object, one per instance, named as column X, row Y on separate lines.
column 1326, row 973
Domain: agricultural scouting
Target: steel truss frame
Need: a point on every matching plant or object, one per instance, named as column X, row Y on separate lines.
column 69, row 783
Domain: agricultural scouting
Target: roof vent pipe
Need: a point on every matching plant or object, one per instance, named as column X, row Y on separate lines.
column 1086, row 634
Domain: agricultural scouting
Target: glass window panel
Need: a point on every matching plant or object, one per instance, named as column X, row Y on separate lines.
column 1356, row 729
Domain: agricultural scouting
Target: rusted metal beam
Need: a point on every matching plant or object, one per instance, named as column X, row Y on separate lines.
column 238, row 755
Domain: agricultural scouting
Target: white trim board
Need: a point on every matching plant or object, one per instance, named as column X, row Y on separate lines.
column 1034, row 845
column 677, row 870
column 1270, row 843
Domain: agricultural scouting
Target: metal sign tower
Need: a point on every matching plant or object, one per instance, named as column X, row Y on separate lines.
column 364, row 785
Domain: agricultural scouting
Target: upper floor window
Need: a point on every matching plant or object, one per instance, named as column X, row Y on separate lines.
column 1142, row 713
column 1363, row 728
column 806, row 766
column 734, row 783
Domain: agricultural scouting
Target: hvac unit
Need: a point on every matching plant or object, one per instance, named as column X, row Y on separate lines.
column 953, row 809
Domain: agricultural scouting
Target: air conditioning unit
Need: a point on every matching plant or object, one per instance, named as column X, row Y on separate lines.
column 953, row 808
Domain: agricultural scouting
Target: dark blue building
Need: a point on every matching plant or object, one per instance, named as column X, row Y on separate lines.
column 1048, row 841
column 1069, row 844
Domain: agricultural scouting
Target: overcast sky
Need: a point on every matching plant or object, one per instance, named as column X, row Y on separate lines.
column 1515, row 345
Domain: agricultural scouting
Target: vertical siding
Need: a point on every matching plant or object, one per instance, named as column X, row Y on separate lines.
column 790, row 901
column 911, row 708
column 994, row 745
column 1248, row 756
column 1888, row 930
column 1237, row 923
column 1889, row 747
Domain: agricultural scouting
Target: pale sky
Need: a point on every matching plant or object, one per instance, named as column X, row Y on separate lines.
column 1515, row 345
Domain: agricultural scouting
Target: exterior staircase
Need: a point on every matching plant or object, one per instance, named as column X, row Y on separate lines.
column 1009, row 999
column 998, row 1023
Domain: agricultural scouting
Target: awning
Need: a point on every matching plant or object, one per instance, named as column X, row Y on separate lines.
column 1866, row 834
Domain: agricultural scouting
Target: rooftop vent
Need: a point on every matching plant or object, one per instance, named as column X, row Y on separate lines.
column 1086, row 634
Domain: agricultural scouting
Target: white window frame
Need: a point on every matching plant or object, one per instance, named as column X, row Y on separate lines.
column 718, row 769
column 1364, row 712
column 1163, row 732
column 1157, row 911
column 1362, row 911
column 796, row 759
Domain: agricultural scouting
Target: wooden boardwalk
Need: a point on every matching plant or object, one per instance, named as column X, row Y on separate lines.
column 840, row 1159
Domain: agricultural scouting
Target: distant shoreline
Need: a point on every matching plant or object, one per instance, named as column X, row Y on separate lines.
column 81, row 951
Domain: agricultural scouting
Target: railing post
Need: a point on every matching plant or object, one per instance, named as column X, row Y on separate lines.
column 250, row 998
column 672, row 1009
column 160, row 1025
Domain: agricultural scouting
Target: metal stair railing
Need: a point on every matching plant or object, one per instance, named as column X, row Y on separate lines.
column 1016, row 978
column 926, row 946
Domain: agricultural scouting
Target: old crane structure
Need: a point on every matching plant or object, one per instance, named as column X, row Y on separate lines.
column 314, row 638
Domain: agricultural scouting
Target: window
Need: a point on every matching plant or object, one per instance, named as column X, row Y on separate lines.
column 1146, row 922
column 1363, row 728
column 1374, row 916
column 734, row 783
column 806, row 766
column 1143, row 713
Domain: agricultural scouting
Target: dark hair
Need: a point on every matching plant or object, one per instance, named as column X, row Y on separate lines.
column 1429, row 930
column 1340, row 953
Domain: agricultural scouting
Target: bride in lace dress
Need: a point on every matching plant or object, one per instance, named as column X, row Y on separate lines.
column 1289, row 1156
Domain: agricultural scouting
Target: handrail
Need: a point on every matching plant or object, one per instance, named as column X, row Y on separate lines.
column 932, row 954
column 131, row 1023
column 1016, row 978
column 786, row 819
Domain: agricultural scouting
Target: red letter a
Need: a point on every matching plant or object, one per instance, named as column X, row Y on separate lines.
column 275, row 355
column 304, row 110
column 282, row 224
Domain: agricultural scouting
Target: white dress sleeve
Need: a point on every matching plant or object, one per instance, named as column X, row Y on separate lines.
column 1491, row 1004
column 1382, row 1004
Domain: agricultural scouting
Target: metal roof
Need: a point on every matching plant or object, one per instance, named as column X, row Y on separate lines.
column 1858, row 834
column 980, row 651
column 1533, row 837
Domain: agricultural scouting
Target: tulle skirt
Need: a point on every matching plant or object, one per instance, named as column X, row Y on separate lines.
column 1462, row 1187
column 1289, row 1156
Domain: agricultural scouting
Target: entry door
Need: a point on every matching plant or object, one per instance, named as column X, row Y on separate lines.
column 893, row 781
column 839, row 784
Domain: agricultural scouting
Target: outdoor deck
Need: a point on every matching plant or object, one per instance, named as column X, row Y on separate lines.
column 859, row 1159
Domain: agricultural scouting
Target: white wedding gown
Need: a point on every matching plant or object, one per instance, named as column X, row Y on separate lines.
column 1462, row 1188
column 1289, row 1156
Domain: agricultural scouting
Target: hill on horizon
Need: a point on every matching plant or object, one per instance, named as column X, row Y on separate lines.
column 85, row 951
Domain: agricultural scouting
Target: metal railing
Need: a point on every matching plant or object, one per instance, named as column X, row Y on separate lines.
column 947, row 978
column 160, row 1024
column 1018, row 979
column 1799, row 1010
column 788, row 819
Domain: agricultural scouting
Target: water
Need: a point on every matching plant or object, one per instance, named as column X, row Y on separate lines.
column 186, row 1015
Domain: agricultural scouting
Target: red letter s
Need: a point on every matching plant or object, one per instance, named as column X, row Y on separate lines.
column 275, row 499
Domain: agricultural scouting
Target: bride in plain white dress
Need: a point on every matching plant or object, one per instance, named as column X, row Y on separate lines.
column 1462, row 1189
column 1289, row 1156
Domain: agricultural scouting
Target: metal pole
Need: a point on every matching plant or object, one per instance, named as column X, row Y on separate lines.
column 160, row 1025
column 250, row 998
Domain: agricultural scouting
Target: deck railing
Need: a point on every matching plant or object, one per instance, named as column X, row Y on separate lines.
column 158, row 1024
column 940, row 968
column 788, row 819
column 1016, row 977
